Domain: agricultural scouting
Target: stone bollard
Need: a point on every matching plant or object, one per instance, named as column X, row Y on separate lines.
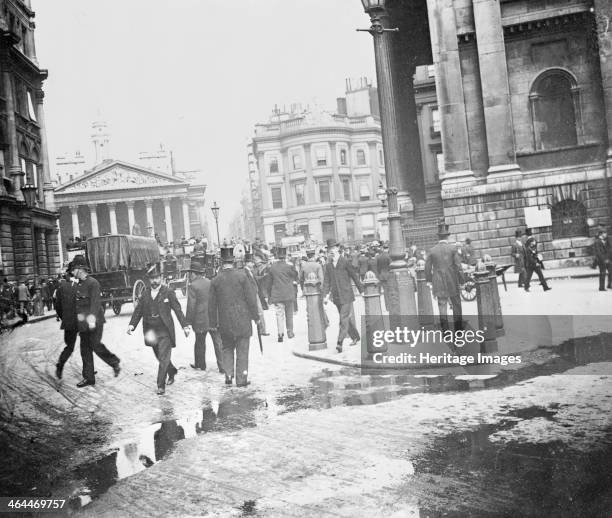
column 402, row 300
column 499, row 319
column 425, row 304
column 373, row 310
column 316, row 327
column 486, row 310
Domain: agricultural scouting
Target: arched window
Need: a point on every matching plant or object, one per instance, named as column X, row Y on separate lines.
column 554, row 110
column 569, row 219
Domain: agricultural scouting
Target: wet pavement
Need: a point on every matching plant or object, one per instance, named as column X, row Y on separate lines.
column 312, row 439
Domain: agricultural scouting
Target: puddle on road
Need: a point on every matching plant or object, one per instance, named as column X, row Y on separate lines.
column 344, row 387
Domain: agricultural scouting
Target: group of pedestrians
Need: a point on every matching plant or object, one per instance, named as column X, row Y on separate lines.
column 527, row 260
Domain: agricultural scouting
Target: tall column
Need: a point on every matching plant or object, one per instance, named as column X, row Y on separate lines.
column 45, row 187
column 112, row 215
column 74, row 211
column 449, row 89
column 94, row 220
column 14, row 167
column 131, row 219
column 150, row 222
column 202, row 213
column 186, row 222
column 495, row 90
column 168, row 220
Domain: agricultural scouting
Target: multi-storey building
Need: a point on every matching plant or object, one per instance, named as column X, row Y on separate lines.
column 28, row 222
column 319, row 172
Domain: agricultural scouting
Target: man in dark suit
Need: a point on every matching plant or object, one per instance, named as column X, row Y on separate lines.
column 198, row 297
column 443, row 270
column 601, row 252
column 65, row 308
column 232, row 306
column 282, row 282
column 155, row 308
column 533, row 263
column 337, row 286
column 90, row 322
column 517, row 251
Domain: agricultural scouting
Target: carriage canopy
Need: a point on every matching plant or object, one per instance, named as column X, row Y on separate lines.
column 118, row 252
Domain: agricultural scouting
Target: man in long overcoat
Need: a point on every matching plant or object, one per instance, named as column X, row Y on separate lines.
column 282, row 282
column 198, row 297
column 155, row 308
column 65, row 308
column 443, row 270
column 337, row 286
column 232, row 306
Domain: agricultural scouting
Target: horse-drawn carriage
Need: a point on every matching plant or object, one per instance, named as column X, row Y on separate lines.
column 119, row 263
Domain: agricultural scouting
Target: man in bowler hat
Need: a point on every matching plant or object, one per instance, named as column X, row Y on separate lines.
column 155, row 308
column 283, row 279
column 65, row 309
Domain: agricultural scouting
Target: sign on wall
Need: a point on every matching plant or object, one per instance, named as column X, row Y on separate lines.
column 536, row 217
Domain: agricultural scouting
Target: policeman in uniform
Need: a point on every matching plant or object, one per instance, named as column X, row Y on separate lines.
column 155, row 308
column 232, row 306
column 90, row 322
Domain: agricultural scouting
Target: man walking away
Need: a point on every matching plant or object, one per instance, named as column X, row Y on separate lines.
column 518, row 256
column 22, row 295
column 90, row 322
column 232, row 306
column 65, row 308
column 155, row 308
column 283, row 278
column 198, row 298
column 600, row 249
column 337, row 286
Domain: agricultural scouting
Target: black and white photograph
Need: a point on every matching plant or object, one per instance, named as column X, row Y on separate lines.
column 306, row 258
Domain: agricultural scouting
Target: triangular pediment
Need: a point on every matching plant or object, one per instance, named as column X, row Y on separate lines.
column 117, row 175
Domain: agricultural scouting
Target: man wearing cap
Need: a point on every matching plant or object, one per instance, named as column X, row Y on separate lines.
column 90, row 321
column 65, row 309
column 232, row 306
column 337, row 286
column 155, row 307
column 444, row 271
column 197, row 315
column 282, row 282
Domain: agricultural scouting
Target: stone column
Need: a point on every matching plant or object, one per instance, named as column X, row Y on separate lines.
column 131, row 219
column 150, row 222
column 168, row 220
column 449, row 89
column 94, row 220
column 202, row 213
column 74, row 211
column 14, row 167
column 54, row 251
column 186, row 221
column 112, row 216
column 45, row 187
column 495, row 90
column 41, row 247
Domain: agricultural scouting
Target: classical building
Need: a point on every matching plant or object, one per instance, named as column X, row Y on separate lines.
column 28, row 221
column 319, row 172
column 524, row 89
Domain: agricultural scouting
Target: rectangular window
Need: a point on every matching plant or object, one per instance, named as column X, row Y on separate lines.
column 367, row 226
column 329, row 230
column 300, row 198
column 431, row 71
column 361, row 158
column 321, row 156
column 350, row 230
column 343, row 157
column 435, row 120
column 303, row 230
column 324, row 195
column 364, row 192
column 274, row 165
column 346, row 188
column 440, row 161
column 277, row 197
column 297, row 161
column 279, row 232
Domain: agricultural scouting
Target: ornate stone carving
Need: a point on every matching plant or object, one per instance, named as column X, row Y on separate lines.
column 117, row 178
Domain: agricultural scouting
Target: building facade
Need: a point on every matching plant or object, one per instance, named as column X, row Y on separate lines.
column 319, row 172
column 524, row 90
column 28, row 221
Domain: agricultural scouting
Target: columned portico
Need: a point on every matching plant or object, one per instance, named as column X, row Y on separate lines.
column 93, row 213
column 150, row 221
column 131, row 219
column 113, row 217
column 186, row 222
column 168, row 220
column 74, row 210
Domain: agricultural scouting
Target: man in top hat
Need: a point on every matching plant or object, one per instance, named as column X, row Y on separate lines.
column 443, row 269
column 232, row 305
column 90, row 321
column 198, row 297
column 533, row 263
column 155, row 309
column 312, row 267
column 283, row 278
column 65, row 309
column 337, row 285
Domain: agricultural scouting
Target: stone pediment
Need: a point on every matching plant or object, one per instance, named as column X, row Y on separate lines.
column 117, row 176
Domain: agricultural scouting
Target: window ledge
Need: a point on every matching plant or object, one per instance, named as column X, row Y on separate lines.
column 557, row 149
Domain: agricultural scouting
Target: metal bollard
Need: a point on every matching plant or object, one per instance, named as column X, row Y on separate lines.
column 316, row 328
column 425, row 305
column 373, row 310
column 486, row 310
column 499, row 319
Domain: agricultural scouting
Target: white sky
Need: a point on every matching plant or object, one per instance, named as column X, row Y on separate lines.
column 195, row 75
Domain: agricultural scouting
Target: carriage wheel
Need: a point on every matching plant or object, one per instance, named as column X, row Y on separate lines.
column 468, row 292
column 116, row 305
column 139, row 287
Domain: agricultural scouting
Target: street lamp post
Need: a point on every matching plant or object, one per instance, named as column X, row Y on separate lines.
column 215, row 210
column 401, row 298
